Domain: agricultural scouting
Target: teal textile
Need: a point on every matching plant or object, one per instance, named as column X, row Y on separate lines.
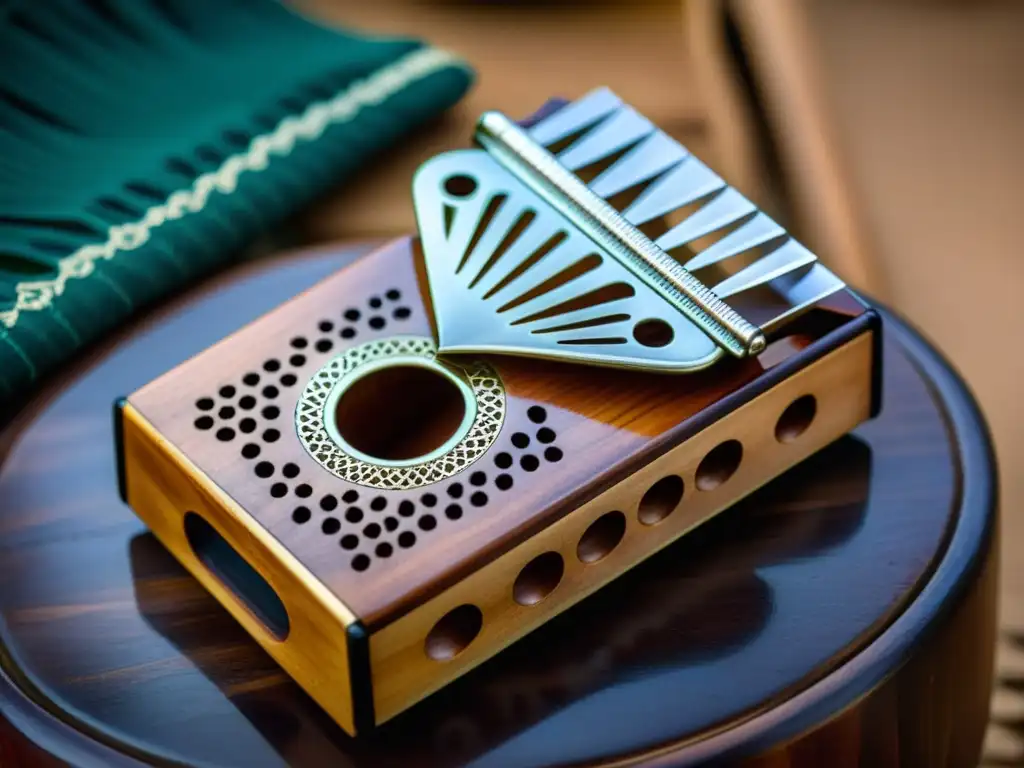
column 143, row 143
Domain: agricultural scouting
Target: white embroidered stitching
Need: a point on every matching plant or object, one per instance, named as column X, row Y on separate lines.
column 39, row 294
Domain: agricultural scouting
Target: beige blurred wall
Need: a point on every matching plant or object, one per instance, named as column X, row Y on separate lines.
column 524, row 53
column 926, row 99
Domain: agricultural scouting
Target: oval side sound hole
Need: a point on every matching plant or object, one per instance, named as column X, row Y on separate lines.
column 244, row 581
column 719, row 465
column 603, row 535
column 660, row 500
column 795, row 420
column 453, row 632
column 538, row 578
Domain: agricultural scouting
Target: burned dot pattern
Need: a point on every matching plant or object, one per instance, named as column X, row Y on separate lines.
column 366, row 527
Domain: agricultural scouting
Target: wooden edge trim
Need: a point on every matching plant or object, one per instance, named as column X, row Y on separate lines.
column 313, row 653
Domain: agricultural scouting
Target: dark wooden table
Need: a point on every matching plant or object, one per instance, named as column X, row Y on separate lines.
column 846, row 611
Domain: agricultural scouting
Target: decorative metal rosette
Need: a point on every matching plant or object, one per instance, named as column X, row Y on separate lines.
column 480, row 385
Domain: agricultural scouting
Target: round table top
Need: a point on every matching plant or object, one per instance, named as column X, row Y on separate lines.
column 763, row 622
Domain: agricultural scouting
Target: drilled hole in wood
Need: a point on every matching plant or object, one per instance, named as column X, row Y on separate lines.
column 603, row 535
column 795, row 420
column 660, row 500
column 453, row 633
column 538, row 578
column 719, row 465
column 235, row 573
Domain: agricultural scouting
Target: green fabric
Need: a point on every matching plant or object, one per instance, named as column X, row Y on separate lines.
column 144, row 142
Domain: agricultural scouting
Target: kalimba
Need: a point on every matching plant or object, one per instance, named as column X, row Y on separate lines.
column 593, row 345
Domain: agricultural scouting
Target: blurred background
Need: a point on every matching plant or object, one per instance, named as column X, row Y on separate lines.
column 886, row 133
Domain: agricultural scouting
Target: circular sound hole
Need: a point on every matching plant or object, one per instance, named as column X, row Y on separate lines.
column 538, row 579
column 603, row 535
column 660, row 500
column 719, row 465
column 653, row 333
column 454, row 632
column 400, row 412
column 795, row 420
column 459, row 186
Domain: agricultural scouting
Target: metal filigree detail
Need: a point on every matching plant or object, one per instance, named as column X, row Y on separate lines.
column 487, row 391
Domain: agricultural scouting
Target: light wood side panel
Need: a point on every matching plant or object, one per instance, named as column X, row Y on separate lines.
column 841, row 384
column 162, row 485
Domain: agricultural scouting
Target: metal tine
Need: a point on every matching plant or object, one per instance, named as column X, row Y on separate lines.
column 803, row 291
column 579, row 285
column 724, row 209
column 539, row 231
column 564, row 255
column 786, row 258
column 575, row 116
column 504, row 219
column 757, row 231
column 623, row 127
column 689, row 181
column 655, row 154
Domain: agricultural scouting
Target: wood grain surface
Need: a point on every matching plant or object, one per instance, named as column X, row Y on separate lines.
column 571, row 435
column 865, row 564
column 604, row 425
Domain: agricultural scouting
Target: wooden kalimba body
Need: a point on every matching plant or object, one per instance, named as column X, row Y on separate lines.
column 403, row 470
